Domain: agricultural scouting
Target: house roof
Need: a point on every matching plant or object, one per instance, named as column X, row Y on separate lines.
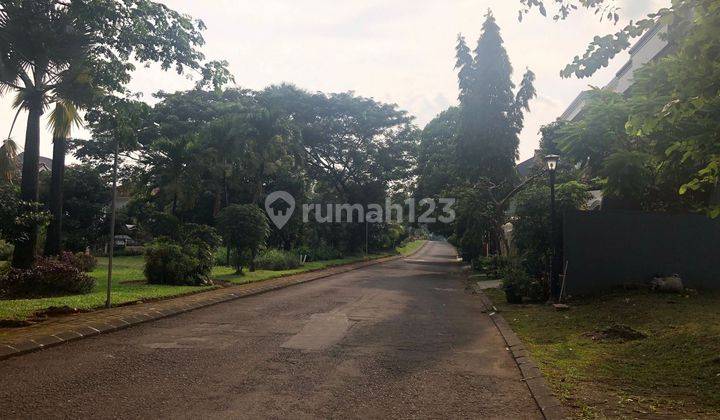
column 526, row 166
column 45, row 163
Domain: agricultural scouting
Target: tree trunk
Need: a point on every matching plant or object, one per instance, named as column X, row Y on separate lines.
column 24, row 254
column 252, row 260
column 53, row 244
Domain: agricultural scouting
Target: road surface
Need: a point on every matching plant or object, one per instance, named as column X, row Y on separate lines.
column 399, row 339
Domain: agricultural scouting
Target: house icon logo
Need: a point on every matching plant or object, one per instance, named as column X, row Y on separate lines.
column 280, row 206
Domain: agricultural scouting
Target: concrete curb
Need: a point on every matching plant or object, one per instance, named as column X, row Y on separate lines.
column 111, row 324
column 550, row 407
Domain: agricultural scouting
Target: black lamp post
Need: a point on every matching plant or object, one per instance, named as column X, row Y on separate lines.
column 552, row 162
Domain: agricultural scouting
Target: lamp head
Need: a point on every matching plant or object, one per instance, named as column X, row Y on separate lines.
column 552, row 162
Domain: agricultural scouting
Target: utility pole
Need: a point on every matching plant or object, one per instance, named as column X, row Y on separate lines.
column 111, row 250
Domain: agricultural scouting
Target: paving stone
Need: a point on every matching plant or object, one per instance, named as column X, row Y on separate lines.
column 47, row 340
column 67, row 335
column 85, row 331
column 6, row 351
column 26, row 345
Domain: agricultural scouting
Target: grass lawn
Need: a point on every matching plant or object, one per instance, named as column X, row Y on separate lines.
column 124, row 269
column 410, row 247
column 131, row 269
column 675, row 371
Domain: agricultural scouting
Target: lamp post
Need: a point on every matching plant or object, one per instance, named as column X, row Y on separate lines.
column 552, row 162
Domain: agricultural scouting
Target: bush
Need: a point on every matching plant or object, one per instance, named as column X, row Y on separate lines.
column 494, row 266
column 132, row 251
column 188, row 262
column 277, row 260
column 168, row 262
column 6, row 250
column 518, row 285
column 48, row 277
column 322, row 252
column 82, row 261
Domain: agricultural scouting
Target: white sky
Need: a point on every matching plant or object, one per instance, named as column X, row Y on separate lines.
column 396, row 51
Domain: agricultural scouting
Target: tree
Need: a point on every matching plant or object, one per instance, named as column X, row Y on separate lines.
column 491, row 115
column 44, row 40
column 599, row 133
column 8, row 161
column 604, row 48
column 352, row 148
column 676, row 104
column 85, row 202
column 244, row 228
column 531, row 226
column 62, row 119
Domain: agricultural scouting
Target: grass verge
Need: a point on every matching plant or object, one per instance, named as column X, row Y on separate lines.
column 125, row 269
column 675, row 371
column 128, row 284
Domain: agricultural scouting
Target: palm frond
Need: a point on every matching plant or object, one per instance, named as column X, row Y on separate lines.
column 62, row 119
column 8, row 160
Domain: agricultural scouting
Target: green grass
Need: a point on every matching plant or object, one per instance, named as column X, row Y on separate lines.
column 410, row 247
column 131, row 269
column 124, row 269
column 675, row 371
column 228, row 273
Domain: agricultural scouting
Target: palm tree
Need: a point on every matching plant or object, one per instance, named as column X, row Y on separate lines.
column 38, row 43
column 63, row 117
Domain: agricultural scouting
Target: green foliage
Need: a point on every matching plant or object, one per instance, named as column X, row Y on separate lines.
column 80, row 260
column 320, row 252
column 6, row 250
column 17, row 216
column 170, row 263
column 186, row 261
column 531, row 226
column 48, row 277
column 491, row 114
column 244, row 228
column 85, row 199
column 493, row 266
column 276, row 260
column 676, row 103
column 599, row 133
column 520, row 286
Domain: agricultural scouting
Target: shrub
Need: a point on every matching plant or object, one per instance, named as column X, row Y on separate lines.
column 322, row 252
column 277, row 260
column 518, row 285
column 168, row 262
column 6, row 250
column 496, row 265
column 132, row 251
column 244, row 228
column 82, row 261
column 48, row 277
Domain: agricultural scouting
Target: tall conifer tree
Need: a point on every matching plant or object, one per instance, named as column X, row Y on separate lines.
column 491, row 114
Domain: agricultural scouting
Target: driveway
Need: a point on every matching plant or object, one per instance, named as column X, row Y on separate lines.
column 399, row 339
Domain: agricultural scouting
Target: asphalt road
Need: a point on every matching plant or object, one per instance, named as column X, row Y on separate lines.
column 401, row 339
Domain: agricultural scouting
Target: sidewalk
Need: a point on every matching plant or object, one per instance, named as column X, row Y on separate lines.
column 58, row 330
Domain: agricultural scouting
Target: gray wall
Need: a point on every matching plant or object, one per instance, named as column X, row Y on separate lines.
column 608, row 249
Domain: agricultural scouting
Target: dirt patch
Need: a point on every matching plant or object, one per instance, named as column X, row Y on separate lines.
column 617, row 332
column 15, row 323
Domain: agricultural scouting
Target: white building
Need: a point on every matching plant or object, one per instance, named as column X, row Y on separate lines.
column 651, row 46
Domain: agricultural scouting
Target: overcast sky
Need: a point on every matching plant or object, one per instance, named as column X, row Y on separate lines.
column 396, row 51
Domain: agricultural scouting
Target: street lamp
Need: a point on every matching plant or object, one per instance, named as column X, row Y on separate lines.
column 552, row 162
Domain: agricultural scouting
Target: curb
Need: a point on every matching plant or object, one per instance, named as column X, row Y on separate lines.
column 17, row 348
column 550, row 407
